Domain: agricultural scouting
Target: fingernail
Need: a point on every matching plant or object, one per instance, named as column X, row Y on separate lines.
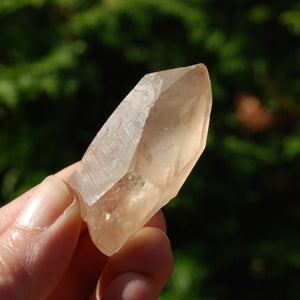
column 139, row 289
column 128, row 286
column 47, row 203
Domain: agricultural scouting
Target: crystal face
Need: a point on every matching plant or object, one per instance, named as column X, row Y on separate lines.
column 142, row 155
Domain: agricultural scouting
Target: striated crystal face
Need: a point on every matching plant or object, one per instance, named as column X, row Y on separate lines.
column 143, row 154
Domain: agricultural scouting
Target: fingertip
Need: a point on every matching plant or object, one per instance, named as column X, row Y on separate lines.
column 147, row 252
column 65, row 173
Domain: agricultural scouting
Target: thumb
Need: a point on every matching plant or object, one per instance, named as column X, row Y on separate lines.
column 37, row 248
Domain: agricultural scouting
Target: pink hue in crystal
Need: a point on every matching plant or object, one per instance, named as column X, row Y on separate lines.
column 143, row 154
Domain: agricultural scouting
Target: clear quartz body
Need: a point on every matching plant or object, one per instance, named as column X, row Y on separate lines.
column 143, row 154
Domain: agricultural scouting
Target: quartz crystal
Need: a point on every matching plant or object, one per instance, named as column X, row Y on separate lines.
column 143, row 154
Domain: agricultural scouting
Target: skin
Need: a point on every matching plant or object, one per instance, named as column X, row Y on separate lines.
column 61, row 262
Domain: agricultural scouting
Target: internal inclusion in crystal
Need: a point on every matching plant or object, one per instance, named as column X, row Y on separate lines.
column 128, row 202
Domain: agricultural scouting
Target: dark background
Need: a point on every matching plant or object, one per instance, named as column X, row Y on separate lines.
column 65, row 66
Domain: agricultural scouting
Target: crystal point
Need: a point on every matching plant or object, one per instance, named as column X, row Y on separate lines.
column 142, row 155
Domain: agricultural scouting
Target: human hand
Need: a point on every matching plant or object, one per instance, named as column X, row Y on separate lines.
column 47, row 253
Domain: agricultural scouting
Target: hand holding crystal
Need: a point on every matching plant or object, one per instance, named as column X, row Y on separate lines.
column 137, row 162
column 46, row 251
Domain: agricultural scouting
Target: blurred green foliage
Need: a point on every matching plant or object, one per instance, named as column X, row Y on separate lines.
column 66, row 64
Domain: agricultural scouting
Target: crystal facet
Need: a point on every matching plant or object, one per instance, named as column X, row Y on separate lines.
column 143, row 154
